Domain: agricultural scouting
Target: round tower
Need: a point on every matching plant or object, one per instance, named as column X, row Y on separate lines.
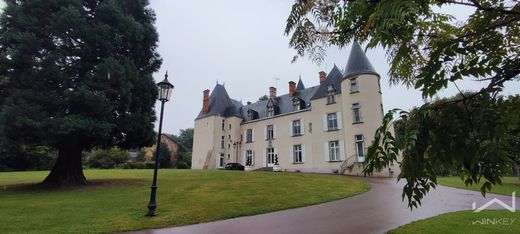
column 362, row 104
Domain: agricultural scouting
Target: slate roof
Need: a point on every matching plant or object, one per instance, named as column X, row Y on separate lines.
column 221, row 104
column 283, row 102
column 358, row 63
column 334, row 77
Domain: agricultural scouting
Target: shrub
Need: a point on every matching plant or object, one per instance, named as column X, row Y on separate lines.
column 107, row 158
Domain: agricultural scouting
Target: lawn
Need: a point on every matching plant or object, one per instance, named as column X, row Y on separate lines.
column 488, row 221
column 509, row 184
column 116, row 200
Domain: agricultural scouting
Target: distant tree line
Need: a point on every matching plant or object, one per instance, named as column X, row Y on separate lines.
column 22, row 157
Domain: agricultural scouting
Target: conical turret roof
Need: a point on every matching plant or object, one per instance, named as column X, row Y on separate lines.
column 358, row 63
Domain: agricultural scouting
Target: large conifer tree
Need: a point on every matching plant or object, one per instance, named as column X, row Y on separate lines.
column 77, row 74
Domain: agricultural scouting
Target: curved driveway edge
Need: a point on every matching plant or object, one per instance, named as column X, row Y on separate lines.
column 376, row 211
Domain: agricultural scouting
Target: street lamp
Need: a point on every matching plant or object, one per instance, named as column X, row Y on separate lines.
column 164, row 90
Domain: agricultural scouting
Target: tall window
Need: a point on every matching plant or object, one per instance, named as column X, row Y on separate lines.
column 332, row 121
column 222, row 142
column 270, row 155
column 334, row 150
column 297, row 154
column 331, row 94
column 296, row 128
column 223, row 124
column 249, row 135
column 354, row 85
column 356, row 113
column 270, row 132
column 249, row 157
column 359, row 145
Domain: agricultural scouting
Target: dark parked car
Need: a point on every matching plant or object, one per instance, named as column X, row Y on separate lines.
column 234, row 166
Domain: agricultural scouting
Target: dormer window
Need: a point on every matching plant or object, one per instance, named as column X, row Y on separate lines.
column 331, row 94
column 270, row 110
column 296, row 103
column 252, row 115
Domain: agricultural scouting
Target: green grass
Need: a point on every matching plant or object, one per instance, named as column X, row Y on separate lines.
column 465, row 222
column 509, row 184
column 116, row 199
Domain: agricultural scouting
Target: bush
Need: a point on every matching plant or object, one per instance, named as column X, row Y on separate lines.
column 26, row 157
column 107, row 158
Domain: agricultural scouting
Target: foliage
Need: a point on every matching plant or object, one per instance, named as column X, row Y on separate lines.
column 75, row 75
column 427, row 49
column 141, row 156
column 26, row 157
column 164, row 157
column 107, row 158
column 185, row 141
column 475, row 136
column 116, row 202
column 263, row 98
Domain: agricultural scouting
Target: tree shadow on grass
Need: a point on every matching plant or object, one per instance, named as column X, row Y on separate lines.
column 91, row 184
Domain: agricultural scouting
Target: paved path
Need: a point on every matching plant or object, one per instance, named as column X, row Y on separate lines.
column 375, row 211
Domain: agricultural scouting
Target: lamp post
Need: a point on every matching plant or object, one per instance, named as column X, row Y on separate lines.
column 164, row 90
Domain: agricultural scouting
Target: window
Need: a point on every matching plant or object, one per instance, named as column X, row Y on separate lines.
column 356, row 113
column 297, row 154
column 296, row 128
column 296, row 104
column 270, row 132
column 332, row 121
column 334, row 151
column 223, row 124
column 249, row 157
column 359, row 145
column 382, row 110
column 270, row 111
column 354, row 85
column 251, row 114
column 249, row 135
column 331, row 94
column 230, row 126
column 222, row 142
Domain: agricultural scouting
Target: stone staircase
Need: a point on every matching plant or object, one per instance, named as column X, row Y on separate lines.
column 351, row 166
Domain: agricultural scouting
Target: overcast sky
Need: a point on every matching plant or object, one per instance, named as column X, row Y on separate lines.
column 240, row 43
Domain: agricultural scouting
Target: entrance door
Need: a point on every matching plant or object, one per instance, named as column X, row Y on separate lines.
column 360, row 149
column 270, row 157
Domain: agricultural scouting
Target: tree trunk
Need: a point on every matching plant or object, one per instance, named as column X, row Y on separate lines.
column 68, row 169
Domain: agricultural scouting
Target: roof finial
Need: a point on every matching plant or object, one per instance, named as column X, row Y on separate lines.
column 166, row 75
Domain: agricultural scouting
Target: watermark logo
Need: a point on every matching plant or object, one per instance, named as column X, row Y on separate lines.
column 511, row 208
column 494, row 221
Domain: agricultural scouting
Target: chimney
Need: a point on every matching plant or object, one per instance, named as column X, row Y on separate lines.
column 292, row 88
column 248, row 103
column 205, row 101
column 272, row 92
column 323, row 77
